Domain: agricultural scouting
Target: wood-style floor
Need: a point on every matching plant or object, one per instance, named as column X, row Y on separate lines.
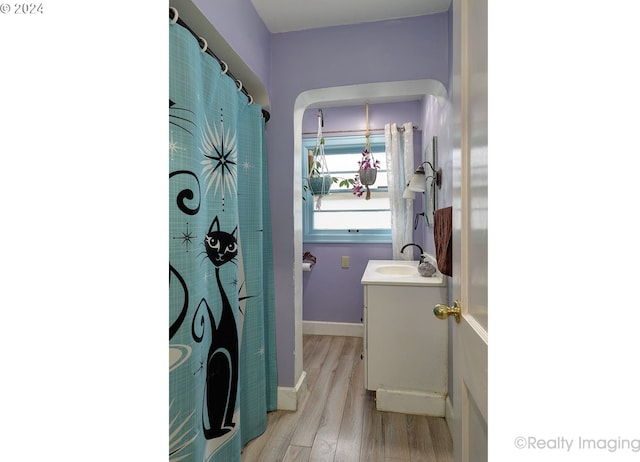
column 337, row 420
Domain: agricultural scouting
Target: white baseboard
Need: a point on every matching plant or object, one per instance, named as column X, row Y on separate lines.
column 410, row 402
column 344, row 329
column 288, row 397
column 448, row 414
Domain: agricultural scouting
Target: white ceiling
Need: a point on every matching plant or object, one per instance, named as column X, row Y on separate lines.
column 291, row 15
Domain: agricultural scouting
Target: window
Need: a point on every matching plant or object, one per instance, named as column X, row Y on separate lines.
column 344, row 217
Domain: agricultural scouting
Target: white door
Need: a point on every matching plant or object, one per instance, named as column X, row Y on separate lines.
column 470, row 335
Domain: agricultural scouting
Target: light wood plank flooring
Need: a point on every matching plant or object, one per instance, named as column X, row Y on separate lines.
column 337, row 420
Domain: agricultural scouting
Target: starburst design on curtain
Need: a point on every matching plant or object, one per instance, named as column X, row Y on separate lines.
column 220, row 151
column 186, row 237
column 173, row 148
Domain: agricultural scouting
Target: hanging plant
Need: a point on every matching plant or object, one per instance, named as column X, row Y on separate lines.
column 367, row 174
column 319, row 180
column 367, row 167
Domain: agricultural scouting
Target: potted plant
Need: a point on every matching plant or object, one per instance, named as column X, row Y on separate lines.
column 367, row 173
column 319, row 180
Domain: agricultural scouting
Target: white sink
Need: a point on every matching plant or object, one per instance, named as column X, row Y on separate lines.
column 396, row 270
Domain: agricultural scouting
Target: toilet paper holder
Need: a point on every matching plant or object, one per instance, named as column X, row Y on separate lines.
column 308, row 257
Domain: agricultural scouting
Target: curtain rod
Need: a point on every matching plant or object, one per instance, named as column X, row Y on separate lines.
column 175, row 18
column 400, row 129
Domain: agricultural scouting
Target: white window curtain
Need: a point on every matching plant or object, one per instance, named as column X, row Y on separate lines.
column 399, row 153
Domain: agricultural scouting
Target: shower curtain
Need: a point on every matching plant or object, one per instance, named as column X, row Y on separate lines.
column 399, row 153
column 222, row 369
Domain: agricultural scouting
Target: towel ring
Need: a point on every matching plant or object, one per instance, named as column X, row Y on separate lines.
column 250, row 100
column 239, row 85
column 204, row 45
column 175, row 15
column 226, row 68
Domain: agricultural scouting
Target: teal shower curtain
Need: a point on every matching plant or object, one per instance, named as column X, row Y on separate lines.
column 222, row 369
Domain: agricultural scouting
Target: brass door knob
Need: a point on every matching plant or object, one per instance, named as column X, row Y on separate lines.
column 444, row 311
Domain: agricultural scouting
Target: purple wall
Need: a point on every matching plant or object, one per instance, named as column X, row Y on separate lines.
column 408, row 49
column 353, row 117
column 334, row 294
column 331, row 293
column 238, row 22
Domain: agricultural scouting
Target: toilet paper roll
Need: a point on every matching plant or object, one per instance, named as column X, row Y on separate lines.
column 306, row 266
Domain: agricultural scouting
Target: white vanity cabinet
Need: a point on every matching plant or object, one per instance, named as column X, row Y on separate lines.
column 405, row 345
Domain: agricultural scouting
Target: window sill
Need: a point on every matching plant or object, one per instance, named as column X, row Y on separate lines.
column 351, row 238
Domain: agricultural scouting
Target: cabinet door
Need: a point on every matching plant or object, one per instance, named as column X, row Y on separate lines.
column 406, row 345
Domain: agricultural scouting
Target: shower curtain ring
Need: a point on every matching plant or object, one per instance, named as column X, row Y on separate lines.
column 250, row 100
column 203, row 44
column 226, row 68
column 174, row 19
column 239, row 85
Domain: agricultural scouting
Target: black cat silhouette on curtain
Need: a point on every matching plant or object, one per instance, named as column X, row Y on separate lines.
column 222, row 358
